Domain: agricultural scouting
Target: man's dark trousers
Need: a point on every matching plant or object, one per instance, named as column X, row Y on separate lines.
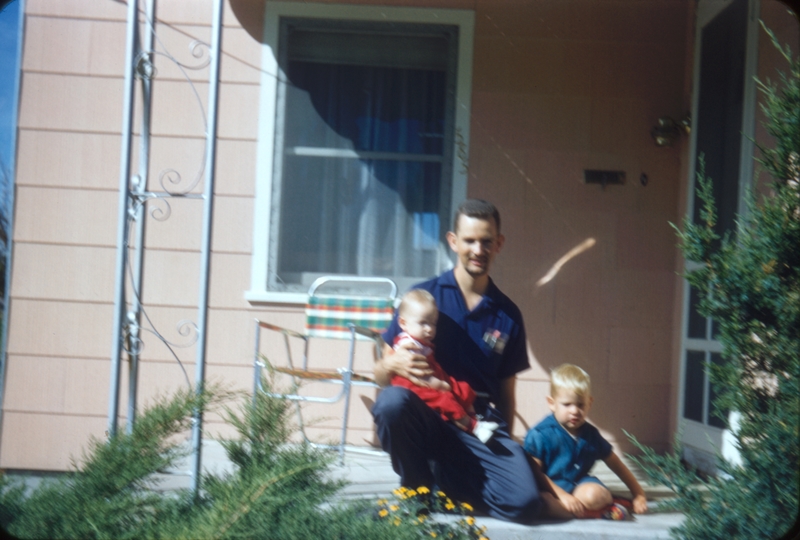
column 495, row 477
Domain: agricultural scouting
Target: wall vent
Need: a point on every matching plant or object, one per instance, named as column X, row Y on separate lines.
column 604, row 178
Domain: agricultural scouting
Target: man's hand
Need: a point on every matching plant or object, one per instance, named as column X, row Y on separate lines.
column 404, row 361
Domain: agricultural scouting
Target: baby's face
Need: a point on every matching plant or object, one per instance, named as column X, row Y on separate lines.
column 569, row 409
column 419, row 320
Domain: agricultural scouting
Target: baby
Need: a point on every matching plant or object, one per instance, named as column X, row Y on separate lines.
column 566, row 446
column 452, row 399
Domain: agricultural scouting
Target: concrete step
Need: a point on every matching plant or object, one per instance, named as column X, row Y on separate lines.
column 643, row 527
column 370, row 475
column 369, row 472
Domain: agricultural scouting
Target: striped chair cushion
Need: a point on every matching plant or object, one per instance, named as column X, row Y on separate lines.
column 328, row 316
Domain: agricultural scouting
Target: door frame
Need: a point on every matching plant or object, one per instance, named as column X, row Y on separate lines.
column 702, row 442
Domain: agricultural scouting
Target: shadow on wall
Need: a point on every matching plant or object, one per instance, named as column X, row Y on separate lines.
column 546, row 366
column 250, row 14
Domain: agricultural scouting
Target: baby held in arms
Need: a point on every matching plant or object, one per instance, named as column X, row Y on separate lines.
column 452, row 399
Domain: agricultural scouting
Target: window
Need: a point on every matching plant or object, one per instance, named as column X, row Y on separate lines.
column 358, row 167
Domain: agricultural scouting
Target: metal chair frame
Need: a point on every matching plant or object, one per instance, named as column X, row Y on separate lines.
column 343, row 376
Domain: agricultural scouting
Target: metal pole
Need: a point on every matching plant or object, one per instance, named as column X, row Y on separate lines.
column 122, row 224
column 140, row 186
column 205, row 253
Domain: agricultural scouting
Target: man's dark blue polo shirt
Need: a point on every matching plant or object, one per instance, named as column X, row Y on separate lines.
column 482, row 346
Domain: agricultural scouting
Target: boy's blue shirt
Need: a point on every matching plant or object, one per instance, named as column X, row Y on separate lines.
column 566, row 460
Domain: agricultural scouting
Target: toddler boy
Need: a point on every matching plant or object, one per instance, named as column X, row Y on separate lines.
column 566, row 446
column 417, row 317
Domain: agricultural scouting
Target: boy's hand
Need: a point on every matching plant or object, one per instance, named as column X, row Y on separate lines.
column 572, row 504
column 640, row 504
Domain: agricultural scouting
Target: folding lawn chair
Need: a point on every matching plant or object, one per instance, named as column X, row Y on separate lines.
column 334, row 312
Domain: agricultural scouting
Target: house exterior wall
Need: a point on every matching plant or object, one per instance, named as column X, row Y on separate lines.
column 559, row 86
column 580, row 90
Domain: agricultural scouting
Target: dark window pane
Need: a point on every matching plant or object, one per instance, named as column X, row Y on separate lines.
column 714, row 419
column 697, row 323
column 719, row 121
column 693, row 387
column 715, row 330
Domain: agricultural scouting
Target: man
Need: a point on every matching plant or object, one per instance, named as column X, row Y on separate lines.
column 480, row 339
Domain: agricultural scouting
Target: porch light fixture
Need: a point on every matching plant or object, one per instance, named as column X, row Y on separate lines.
column 667, row 130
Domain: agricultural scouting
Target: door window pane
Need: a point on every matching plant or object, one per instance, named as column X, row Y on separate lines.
column 697, row 323
column 714, row 419
column 720, row 109
column 694, row 385
column 715, row 330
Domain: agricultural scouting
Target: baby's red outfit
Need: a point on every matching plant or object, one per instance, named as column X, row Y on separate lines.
column 451, row 404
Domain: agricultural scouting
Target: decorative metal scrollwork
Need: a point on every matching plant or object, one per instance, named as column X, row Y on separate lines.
column 171, row 184
column 199, row 50
column 187, row 328
column 144, row 68
column 171, row 177
column 161, row 211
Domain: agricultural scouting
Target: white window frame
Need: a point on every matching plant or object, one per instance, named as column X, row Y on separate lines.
column 463, row 19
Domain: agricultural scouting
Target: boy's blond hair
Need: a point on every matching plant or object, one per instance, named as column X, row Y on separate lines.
column 417, row 296
column 572, row 378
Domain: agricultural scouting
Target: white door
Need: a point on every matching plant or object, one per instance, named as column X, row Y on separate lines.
column 723, row 111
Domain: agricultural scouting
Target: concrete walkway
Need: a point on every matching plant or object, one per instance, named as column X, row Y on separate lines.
column 369, row 475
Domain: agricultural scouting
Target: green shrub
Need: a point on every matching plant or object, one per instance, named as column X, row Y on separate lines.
column 276, row 491
column 751, row 288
